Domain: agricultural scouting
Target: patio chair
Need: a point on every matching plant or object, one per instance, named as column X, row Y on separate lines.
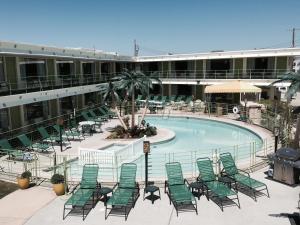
column 218, row 189
column 81, row 199
column 172, row 98
column 87, row 117
column 40, row 147
column 125, row 192
column 82, row 196
column 50, row 138
column 102, row 118
column 74, row 134
column 89, row 176
column 177, row 189
column 240, row 177
column 108, row 111
column 12, row 153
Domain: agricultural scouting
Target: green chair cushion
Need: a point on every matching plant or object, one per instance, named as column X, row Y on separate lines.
column 80, row 197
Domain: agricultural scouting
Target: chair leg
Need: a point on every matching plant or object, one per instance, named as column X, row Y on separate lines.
column 239, row 205
column 268, row 192
column 64, row 212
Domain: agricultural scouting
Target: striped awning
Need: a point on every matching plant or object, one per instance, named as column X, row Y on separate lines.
column 232, row 87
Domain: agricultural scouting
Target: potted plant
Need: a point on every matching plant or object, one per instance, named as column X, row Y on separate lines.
column 58, row 184
column 24, row 180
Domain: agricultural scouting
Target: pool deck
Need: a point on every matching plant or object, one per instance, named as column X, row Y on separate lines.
column 38, row 205
column 267, row 211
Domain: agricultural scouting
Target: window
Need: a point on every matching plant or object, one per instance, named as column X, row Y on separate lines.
column 65, row 68
column 88, row 68
column 4, row 124
column 32, row 69
column 34, row 111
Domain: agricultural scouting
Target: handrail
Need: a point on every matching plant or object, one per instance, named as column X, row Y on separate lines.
column 50, row 82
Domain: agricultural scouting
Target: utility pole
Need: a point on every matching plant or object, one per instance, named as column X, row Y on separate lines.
column 136, row 49
column 294, row 36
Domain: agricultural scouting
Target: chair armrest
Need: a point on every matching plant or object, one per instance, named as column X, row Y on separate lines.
column 243, row 171
column 115, row 186
column 186, row 182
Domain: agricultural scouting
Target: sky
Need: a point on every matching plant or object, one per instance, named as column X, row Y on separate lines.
column 159, row 26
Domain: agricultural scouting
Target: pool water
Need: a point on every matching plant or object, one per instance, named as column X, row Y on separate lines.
column 201, row 135
column 194, row 138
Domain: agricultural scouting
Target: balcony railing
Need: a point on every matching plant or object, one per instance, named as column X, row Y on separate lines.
column 50, row 82
column 218, row 74
column 42, row 83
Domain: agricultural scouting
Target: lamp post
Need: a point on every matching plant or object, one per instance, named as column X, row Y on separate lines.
column 146, row 147
column 60, row 123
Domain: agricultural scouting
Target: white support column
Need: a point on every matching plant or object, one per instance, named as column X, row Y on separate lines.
column 22, row 115
column 204, row 67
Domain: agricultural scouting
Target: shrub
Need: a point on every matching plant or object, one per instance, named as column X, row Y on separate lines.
column 26, row 174
column 57, row 179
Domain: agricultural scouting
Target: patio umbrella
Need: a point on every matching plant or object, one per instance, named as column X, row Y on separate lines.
column 232, row 87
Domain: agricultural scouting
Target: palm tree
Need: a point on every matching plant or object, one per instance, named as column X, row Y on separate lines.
column 135, row 82
column 109, row 92
column 294, row 79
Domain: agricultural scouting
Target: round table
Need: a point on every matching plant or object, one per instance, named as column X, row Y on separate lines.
column 87, row 126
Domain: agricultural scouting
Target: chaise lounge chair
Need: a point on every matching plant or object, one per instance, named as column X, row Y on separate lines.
column 177, row 189
column 40, row 147
column 12, row 153
column 50, row 138
column 240, row 177
column 84, row 192
column 219, row 190
column 125, row 193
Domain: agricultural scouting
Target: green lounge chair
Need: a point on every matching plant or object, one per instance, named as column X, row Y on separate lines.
column 12, row 153
column 105, row 113
column 240, row 177
column 177, row 189
column 27, row 143
column 188, row 100
column 218, row 189
column 82, row 196
column 125, row 192
column 50, row 138
column 81, row 199
column 108, row 111
column 156, row 98
column 74, row 134
column 102, row 117
column 172, row 98
column 163, row 100
column 87, row 117
column 89, row 176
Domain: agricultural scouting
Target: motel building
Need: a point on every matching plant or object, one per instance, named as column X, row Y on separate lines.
column 41, row 82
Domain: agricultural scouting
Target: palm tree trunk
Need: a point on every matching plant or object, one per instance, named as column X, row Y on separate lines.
column 144, row 111
column 132, row 108
column 297, row 133
column 120, row 118
column 114, row 105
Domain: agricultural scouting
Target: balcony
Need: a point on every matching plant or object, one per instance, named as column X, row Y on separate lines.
column 44, row 83
column 254, row 74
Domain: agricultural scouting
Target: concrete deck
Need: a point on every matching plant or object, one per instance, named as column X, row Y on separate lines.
column 265, row 211
column 17, row 207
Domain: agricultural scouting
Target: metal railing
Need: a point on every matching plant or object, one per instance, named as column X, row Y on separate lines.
column 50, row 82
column 218, row 74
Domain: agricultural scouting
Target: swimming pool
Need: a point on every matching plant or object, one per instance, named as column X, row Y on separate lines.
column 194, row 138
